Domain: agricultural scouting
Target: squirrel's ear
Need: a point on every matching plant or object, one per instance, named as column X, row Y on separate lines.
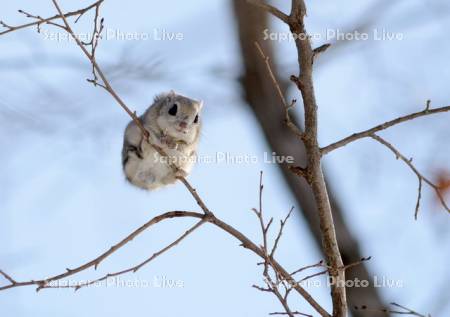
column 171, row 95
column 200, row 105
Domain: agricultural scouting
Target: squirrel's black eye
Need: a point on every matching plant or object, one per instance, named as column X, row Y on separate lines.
column 196, row 119
column 173, row 110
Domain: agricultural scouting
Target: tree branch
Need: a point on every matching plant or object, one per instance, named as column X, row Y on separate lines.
column 133, row 269
column 274, row 11
column 293, row 313
column 287, row 107
column 41, row 21
column 42, row 283
column 304, row 82
column 273, row 286
column 210, row 218
column 97, row 69
column 404, row 310
column 367, row 133
column 420, row 177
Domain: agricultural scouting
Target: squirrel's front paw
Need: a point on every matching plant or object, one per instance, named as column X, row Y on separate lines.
column 181, row 173
column 168, row 141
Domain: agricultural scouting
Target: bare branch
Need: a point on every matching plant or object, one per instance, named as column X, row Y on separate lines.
column 287, row 107
column 404, row 310
column 97, row 68
column 96, row 34
column 348, row 266
column 9, row 278
column 95, row 262
column 419, row 175
column 280, row 233
column 96, row 83
column 293, row 313
column 313, row 275
column 410, row 311
column 269, row 262
column 194, row 194
column 321, row 264
column 272, row 10
column 259, row 214
column 367, row 133
column 318, row 264
column 321, row 49
column 41, row 21
column 283, row 302
column 305, row 84
column 272, row 287
column 245, row 242
column 262, row 289
column 133, row 269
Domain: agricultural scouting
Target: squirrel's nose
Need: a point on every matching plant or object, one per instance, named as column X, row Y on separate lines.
column 183, row 124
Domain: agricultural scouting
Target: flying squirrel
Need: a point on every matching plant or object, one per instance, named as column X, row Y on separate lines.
column 173, row 122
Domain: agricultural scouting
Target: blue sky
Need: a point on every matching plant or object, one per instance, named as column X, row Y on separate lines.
column 64, row 200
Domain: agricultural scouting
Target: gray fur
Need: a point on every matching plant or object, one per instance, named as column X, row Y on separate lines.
column 142, row 164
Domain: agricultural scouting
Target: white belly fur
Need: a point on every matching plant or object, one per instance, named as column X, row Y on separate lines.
column 152, row 171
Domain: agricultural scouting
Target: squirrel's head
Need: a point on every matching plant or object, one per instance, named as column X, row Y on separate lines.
column 179, row 116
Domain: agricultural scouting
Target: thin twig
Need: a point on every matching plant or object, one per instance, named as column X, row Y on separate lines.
column 97, row 68
column 46, row 20
column 293, row 313
column 286, row 107
column 321, row 49
column 321, row 264
column 277, row 13
column 367, row 133
column 404, row 311
column 245, row 242
column 362, row 260
column 410, row 311
column 271, row 285
column 196, row 196
column 419, row 175
column 312, row 275
column 95, row 262
column 280, row 233
column 133, row 269
column 318, row 264
column 9, row 278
